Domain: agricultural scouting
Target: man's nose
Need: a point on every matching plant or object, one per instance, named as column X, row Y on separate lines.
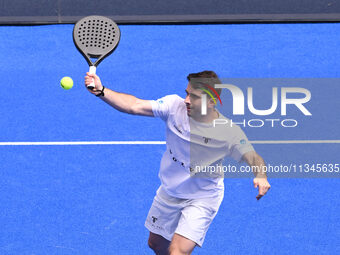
column 187, row 99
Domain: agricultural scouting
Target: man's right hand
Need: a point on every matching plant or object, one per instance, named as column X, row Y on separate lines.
column 97, row 83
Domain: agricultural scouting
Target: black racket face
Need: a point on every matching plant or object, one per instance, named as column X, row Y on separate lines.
column 96, row 37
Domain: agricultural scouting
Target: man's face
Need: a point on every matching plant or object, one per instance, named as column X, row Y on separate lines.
column 193, row 101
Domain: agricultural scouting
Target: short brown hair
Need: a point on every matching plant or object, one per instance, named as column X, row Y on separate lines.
column 204, row 78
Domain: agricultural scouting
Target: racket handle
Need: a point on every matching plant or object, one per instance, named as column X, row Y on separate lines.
column 92, row 71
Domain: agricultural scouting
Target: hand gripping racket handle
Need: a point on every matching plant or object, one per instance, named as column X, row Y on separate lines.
column 92, row 71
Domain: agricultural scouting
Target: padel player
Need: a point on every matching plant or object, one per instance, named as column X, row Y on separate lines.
column 187, row 200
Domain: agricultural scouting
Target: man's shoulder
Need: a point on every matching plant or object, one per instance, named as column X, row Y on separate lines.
column 169, row 99
column 175, row 97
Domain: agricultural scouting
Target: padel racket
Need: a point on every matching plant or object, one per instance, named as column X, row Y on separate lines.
column 95, row 37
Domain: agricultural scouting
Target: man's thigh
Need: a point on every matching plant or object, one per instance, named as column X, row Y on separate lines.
column 196, row 218
column 164, row 215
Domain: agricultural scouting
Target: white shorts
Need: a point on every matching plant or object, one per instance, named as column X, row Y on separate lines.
column 190, row 218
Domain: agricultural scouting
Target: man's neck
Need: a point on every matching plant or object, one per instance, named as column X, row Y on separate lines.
column 208, row 118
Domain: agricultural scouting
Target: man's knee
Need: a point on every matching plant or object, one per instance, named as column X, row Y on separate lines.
column 176, row 249
column 158, row 243
column 154, row 245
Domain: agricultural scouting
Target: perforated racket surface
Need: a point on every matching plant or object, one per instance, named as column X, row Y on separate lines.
column 95, row 37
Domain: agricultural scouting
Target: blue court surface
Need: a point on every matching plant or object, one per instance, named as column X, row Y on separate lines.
column 93, row 199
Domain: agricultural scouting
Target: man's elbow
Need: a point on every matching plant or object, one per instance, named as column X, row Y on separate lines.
column 252, row 158
column 133, row 110
column 135, row 107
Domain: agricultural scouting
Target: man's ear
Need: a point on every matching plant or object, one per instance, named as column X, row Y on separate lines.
column 211, row 103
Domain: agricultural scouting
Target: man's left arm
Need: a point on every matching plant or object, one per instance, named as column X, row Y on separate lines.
column 257, row 163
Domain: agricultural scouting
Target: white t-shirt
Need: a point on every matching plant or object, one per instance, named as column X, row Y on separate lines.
column 190, row 144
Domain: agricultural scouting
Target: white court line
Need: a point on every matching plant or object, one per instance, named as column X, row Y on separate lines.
column 81, row 143
column 159, row 142
column 294, row 141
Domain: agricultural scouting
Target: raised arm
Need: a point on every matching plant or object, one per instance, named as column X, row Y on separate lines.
column 120, row 101
column 257, row 163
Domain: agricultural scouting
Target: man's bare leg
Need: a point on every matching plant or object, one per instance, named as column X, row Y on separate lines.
column 158, row 244
column 181, row 245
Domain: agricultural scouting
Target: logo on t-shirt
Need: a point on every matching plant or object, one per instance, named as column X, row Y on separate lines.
column 206, row 140
column 160, row 101
column 243, row 141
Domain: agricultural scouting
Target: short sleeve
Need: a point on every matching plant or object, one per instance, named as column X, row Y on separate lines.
column 240, row 145
column 162, row 106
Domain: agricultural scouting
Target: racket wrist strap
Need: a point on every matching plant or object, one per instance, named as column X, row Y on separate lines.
column 101, row 92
